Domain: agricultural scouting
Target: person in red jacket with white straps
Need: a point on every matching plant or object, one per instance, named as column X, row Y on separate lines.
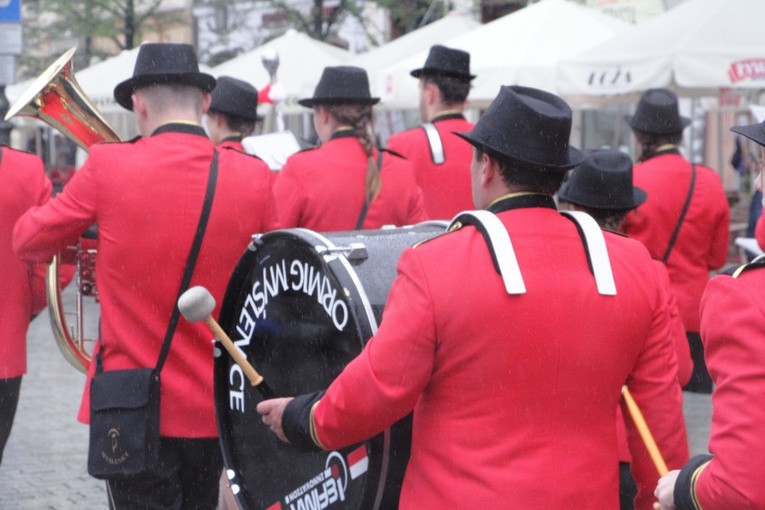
column 685, row 222
column 346, row 183
column 602, row 187
column 440, row 159
column 504, row 344
column 147, row 197
column 732, row 325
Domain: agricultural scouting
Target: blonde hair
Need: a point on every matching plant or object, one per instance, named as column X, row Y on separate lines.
column 359, row 118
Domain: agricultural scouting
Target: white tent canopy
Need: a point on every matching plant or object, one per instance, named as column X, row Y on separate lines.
column 422, row 39
column 522, row 48
column 697, row 47
column 301, row 62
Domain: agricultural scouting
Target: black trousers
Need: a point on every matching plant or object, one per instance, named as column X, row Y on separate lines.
column 9, row 399
column 627, row 487
column 700, row 381
column 186, row 478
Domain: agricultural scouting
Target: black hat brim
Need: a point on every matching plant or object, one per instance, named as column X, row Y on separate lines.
column 755, row 132
column 639, row 196
column 310, row 102
column 684, row 123
column 123, row 91
column 433, row 72
column 573, row 158
column 237, row 114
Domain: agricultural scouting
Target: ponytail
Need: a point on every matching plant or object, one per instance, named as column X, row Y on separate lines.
column 359, row 118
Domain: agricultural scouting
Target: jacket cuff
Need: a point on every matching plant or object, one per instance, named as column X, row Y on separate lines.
column 685, row 486
column 298, row 424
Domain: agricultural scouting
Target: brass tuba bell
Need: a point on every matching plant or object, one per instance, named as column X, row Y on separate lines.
column 57, row 99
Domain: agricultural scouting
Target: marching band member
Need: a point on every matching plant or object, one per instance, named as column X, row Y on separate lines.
column 680, row 194
column 602, row 187
column 23, row 184
column 346, row 183
column 233, row 112
column 514, row 380
column 441, row 160
column 732, row 325
column 146, row 196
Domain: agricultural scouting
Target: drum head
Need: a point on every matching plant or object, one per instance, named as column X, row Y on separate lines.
column 298, row 311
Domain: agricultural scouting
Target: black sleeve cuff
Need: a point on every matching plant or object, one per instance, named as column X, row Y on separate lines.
column 685, row 486
column 296, row 421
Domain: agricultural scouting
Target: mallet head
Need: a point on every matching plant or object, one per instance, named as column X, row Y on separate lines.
column 196, row 304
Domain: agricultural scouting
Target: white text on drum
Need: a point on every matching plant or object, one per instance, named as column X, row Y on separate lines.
column 324, row 491
column 302, row 277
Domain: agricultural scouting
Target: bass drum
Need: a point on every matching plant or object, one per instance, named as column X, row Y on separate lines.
column 301, row 305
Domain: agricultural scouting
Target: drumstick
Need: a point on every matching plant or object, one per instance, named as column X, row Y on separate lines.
column 197, row 304
column 645, row 433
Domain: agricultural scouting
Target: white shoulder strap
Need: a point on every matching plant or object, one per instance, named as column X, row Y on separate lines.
column 595, row 246
column 434, row 140
column 500, row 247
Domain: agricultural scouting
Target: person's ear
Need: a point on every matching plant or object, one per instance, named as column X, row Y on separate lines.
column 489, row 169
column 139, row 104
column 432, row 94
column 206, row 100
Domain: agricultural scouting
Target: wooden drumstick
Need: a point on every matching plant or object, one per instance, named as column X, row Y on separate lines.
column 197, row 304
column 645, row 434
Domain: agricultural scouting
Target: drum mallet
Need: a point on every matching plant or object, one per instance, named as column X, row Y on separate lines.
column 645, row 434
column 197, row 304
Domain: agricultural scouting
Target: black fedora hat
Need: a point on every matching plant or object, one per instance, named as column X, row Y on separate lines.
column 526, row 125
column 755, row 132
column 657, row 112
column 603, row 181
column 163, row 63
column 341, row 85
column 446, row 61
column 236, row 98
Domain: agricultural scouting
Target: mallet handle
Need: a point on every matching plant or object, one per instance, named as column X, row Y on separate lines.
column 236, row 353
column 645, row 432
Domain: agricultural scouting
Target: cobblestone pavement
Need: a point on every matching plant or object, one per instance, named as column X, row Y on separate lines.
column 44, row 465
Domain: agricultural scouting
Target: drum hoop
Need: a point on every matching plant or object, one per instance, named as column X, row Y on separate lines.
column 333, row 261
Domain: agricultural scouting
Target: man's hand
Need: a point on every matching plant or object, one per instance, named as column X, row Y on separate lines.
column 272, row 411
column 665, row 490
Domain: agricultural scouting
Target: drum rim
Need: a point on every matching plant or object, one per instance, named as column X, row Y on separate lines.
column 357, row 290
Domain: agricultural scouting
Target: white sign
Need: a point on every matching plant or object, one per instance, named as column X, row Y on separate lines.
column 631, row 11
column 7, row 69
column 10, row 38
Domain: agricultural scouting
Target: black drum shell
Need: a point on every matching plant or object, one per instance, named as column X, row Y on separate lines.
column 285, row 300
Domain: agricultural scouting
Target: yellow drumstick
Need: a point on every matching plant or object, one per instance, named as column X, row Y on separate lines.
column 645, row 434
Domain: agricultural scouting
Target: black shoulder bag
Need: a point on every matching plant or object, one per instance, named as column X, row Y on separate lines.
column 682, row 215
column 124, row 404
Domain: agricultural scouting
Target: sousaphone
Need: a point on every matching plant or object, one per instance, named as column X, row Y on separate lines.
column 57, row 99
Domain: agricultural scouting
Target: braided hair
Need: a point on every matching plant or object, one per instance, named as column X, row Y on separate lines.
column 359, row 117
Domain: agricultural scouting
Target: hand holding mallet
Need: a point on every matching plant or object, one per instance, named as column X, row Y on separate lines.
column 197, row 304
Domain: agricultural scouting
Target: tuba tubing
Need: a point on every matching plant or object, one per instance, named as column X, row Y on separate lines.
column 57, row 99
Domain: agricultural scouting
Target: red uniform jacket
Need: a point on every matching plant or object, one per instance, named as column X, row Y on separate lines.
column 514, row 397
column 702, row 244
column 446, row 188
column 23, row 184
column 234, row 142
column 323, row 189
column 147, row 197
column 732, row 326
column 645, row 475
